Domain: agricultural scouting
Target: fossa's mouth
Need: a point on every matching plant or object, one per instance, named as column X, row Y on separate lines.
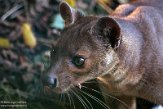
column 56, row 90
column 59, row 89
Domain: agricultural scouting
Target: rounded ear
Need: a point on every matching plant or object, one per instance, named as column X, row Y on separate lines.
column 109, row 29
column 69, row 14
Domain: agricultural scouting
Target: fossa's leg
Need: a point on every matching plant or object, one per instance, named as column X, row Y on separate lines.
column 118, row 102
column 121, row 102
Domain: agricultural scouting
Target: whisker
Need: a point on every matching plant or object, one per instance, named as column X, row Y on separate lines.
column 68, row 97
column 64, row 98
column 60, row 97
column 72, row 99
column 97, row 82
column 93, row 81
column 81, row 100
column 86, row 100
column 107, row 95
column 96, row 99
column 90, row 82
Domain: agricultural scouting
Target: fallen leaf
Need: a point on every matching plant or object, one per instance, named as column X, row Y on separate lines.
column 28, row 36
column 5, row 43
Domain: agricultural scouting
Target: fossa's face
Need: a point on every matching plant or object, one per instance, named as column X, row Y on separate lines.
column 84, row 51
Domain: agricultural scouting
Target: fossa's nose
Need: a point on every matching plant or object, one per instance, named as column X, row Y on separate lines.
column 50, row 81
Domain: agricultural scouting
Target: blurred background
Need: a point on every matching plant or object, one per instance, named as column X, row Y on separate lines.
column 27, row 28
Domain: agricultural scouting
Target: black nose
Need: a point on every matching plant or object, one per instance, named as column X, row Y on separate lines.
column 50, row 81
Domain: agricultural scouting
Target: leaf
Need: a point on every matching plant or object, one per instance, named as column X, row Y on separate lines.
column 5, row 43
column 72, row 3
column 28, row 36
column 58, row 22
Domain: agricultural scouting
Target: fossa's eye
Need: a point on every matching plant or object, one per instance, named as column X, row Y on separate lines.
column 78, row 61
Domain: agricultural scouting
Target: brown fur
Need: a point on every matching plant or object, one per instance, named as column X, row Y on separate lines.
column 123, row 51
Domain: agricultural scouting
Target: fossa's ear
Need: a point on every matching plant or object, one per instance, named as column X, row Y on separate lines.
column 109, row 30
column 69, row 14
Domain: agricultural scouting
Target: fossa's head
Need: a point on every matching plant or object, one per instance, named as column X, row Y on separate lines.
column 85, row 50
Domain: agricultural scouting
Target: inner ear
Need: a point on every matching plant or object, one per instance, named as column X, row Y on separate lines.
column 109, row 29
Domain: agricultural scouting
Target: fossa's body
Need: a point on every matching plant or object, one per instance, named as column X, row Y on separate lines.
column 123, row 51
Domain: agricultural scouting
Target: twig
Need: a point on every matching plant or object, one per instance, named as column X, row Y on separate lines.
column 104, row 6
column 10, row 12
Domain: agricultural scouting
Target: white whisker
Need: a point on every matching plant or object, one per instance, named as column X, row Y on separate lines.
column 69, row 97
column 86, row 100
column 108, row 96
column 72, row 100
column 81, row 100
column 96, row 99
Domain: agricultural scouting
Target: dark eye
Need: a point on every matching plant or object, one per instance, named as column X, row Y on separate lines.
column 78, row 61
